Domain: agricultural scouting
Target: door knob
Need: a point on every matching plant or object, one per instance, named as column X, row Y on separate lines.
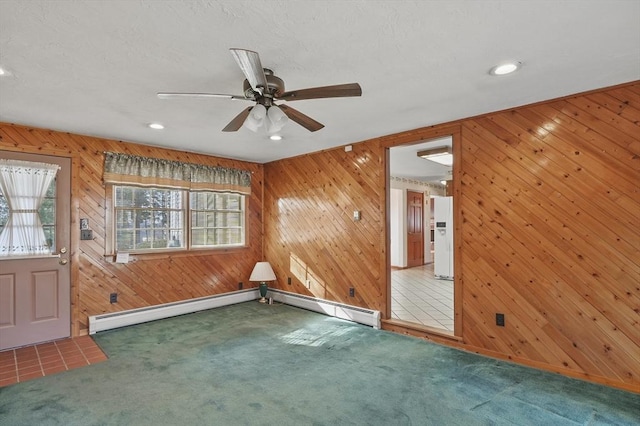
column 63, row 250
column 63, row 261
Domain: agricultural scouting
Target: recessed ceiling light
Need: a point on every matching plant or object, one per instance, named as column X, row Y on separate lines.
column 156, row 126
column 4, row 72
column 275, row 137
column 506, row 68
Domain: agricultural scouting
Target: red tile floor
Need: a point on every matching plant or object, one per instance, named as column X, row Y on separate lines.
column 30, row 362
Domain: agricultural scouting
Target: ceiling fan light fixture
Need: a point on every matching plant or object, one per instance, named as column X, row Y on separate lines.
column 256, row 118
column 277, row 119
column 505, row 68
column 263, row 87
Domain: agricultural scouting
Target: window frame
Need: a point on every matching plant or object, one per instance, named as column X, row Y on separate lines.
column 111, row 231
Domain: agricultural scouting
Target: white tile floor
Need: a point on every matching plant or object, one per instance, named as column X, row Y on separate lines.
column 417, row 296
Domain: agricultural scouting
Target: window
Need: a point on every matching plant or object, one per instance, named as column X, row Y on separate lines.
column 217, row 219
column 47, row 214
column 27, row 207
column 161, row 204
column 149, row 219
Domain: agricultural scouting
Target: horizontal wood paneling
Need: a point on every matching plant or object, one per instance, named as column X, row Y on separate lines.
column 150, row 279
column 548, row 206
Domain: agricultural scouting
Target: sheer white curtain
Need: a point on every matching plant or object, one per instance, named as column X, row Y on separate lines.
column 24, row 185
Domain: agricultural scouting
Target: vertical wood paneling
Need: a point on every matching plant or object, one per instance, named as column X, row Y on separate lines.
column 150, row 279
column 549, row 204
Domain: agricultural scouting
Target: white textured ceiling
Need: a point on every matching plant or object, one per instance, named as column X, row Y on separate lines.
column 94, row 67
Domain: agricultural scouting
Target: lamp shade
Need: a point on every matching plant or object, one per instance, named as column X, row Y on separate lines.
column 276, row 119
column 262, row 272
column 256, row 118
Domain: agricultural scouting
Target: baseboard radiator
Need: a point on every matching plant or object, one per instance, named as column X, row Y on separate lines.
column 334, row 309
column 105, row 322
column 138, row 316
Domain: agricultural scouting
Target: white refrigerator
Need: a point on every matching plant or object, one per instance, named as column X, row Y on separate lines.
column 443, row 237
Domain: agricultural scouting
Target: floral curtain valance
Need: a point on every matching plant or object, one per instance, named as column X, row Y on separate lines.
column 133, row 169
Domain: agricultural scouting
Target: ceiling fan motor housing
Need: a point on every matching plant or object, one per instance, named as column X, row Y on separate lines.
column 275, row 86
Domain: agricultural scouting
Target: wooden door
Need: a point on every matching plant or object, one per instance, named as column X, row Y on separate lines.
column 415, row 229
column 35, row 299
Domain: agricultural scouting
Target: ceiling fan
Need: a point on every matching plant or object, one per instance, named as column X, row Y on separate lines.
column 264, row 88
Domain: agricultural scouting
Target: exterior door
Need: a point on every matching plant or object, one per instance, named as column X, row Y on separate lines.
column 35, row 299
column 415, row 231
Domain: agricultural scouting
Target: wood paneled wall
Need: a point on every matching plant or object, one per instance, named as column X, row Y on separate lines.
column 548, row 202
column 550, row 210
column 150, row 279
column 310, row 233
column 548, row 205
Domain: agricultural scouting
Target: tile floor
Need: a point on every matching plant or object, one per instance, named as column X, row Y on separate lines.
column 30, row 362
column 417, row 296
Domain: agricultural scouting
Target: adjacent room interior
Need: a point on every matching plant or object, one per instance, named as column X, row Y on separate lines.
column 421, row 258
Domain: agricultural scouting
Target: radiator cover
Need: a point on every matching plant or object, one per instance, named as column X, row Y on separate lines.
column 138, row 316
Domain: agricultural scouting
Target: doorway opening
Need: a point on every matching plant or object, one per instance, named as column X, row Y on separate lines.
column 421, row 234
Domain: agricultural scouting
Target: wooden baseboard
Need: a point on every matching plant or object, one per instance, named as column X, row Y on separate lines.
column 457, row 342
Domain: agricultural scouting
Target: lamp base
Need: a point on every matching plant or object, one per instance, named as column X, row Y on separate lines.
column 263, row 292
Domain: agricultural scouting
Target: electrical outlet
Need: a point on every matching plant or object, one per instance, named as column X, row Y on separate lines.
column 86, row 234
column 113, row 298
column 289, row 280
column 240, row 284
column 500, row 320
column 352, row 292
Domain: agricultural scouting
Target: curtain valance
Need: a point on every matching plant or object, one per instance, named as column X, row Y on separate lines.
column 133, row 169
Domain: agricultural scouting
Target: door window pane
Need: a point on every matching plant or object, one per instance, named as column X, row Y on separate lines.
column 47, row 214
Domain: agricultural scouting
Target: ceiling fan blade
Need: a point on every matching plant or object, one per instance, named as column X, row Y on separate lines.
column 169, row 95
column 302, row 119
column 337, row 91
column 238, row 121
column 249, row 63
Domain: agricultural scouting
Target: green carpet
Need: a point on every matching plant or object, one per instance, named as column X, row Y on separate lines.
column 255, row 364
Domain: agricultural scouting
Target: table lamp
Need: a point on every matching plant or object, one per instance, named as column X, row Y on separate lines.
column 262, row 272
